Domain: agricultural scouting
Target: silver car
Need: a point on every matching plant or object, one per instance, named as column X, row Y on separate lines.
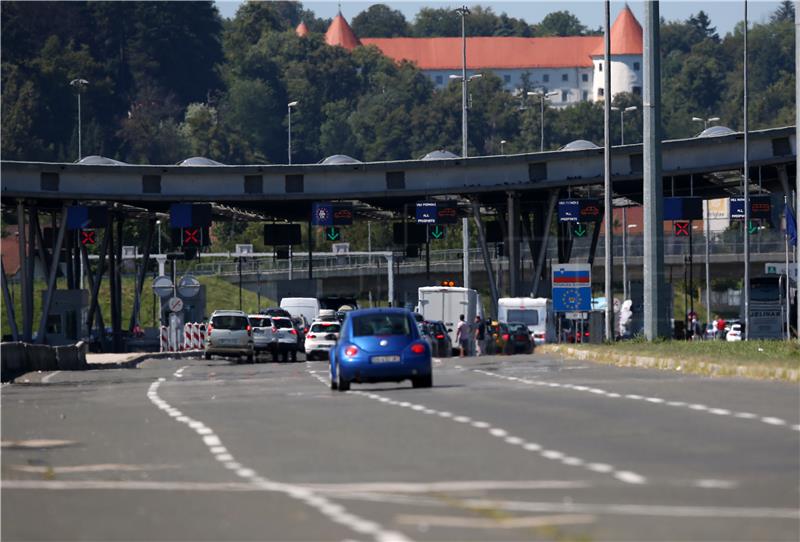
column 320, row 338
column 262, row 332
column 229, row 334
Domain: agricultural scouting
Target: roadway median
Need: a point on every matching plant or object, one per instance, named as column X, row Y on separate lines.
column 764, row 360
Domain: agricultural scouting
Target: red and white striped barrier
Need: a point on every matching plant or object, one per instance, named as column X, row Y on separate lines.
column 194, row 336
column 187, row 337
column 202, row 331
column 164, row 347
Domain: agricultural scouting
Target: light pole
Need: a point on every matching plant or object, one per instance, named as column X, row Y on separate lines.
column 502, row 146
column 622, row 112
column 289, row 107
column 542, row 97
column 463, row 11
column 705, row 121
column 158, row 223
column 79, row 85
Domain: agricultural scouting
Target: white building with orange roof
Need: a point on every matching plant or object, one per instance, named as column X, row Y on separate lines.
column 571, row 65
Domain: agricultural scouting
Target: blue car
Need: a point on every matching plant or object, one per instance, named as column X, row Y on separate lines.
column 380, row 345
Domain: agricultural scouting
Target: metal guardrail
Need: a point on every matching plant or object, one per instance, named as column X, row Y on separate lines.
column 763, row 242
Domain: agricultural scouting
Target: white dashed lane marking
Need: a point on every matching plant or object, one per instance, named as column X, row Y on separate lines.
column 622, row 475
column 697, row 407
column 334, row 512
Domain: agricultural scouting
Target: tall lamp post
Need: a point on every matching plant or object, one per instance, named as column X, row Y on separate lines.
column 463, row 11
column 502, row 146
column 79, row 85
column 289, row 107
column 542, row 97
column 622, row 112
column 625, row 289
column 705, row 121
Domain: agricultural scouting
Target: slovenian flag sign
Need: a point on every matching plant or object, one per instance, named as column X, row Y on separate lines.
column 570, row 276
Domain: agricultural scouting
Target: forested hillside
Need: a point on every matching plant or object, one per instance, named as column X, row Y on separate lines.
column 168, row 80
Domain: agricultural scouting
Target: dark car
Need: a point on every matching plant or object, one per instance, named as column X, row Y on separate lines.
column 441, row 345
column 519, row 338
column 275, row 311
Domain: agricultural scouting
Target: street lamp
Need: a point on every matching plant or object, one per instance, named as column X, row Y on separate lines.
column 502, row 146
column 463, row 11
column 622, row 120
column 542, row 97
column 79, row 85
column 705, row 121
column 158, row 223
column 289, row 107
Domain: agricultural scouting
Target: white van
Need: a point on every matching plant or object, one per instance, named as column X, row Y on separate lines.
column 301, row 306
column 447, row 304
column 536, row 313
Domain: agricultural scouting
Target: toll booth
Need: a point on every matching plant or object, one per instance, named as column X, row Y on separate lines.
column 66, row 320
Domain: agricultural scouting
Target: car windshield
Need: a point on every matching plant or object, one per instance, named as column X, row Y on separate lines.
column 525, row 316
column 381, row 324
column 231, row 322
column 282, row 323
column 260, row 321
column 326, row 328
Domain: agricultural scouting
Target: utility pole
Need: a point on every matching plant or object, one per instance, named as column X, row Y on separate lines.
column 464, row 11
column 653, row 268
column 609, row 238
column 746, row 195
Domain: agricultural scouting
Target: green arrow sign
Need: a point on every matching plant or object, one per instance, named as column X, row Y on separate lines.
column 579, row 230
column 437, row 232
column 332, row 234
column 752, row 227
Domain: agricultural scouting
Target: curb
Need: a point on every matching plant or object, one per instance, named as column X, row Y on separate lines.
column 136, row 360
column 670, row 364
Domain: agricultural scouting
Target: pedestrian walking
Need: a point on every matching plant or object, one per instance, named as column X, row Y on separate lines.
column 720, row 327
column 462, row 336
column 480, row 335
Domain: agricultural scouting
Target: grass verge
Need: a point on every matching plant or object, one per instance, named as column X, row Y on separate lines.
column 777, row 360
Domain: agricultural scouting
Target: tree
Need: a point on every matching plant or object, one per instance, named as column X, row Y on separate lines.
column 437, row 22
column 560, row 23
column 785, row 12
column 379, row 21
column 702, row 24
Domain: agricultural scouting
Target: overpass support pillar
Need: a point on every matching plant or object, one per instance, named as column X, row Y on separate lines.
column 487, row 260
column 537, row 272
column 513, row 244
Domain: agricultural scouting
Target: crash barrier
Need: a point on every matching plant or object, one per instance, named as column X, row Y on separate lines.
column 17, row 358
column 164, row 341
column 192, row 337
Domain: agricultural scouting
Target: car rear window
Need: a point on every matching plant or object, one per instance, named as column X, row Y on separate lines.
column 326, row 328
column 282, row 323
column 234, row 323
column 260, row 321
column 381, row 324
column 518, row 328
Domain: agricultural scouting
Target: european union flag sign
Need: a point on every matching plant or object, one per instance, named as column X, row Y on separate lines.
column 572, row 287
column 322, row 214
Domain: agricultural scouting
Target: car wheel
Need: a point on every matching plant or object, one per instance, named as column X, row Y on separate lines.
column 250, row 357
column 207, row 355
column 294, row 357
column 422, row 381
column 274, row 356
column 343, row 385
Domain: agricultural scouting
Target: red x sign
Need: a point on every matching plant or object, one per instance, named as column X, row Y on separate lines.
column 191, row 236
column 87, row 237
column 681, row 229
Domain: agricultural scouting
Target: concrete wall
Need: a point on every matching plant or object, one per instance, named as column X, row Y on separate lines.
column 17, row 358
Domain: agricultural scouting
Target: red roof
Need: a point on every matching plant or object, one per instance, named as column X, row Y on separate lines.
column 339, row 33
column 626, row 36
column 302, row 29
column 491, row 52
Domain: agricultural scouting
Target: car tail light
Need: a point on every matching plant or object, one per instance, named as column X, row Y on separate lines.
column 440, row 336
column 417, row 348
column 274, row 329
column 209, row 328
column 586, row 334
column 293, row 331
column 506, row 336
column 305, row 330
column 312, row 336
column 350, row 351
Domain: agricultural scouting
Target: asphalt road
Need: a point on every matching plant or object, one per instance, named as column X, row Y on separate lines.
column 502, row 448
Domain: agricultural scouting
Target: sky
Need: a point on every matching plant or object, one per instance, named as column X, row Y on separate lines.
column 723, row 14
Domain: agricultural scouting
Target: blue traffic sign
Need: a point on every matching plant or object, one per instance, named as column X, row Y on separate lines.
column 572, row 287
column 579, row 210
column 426, row 212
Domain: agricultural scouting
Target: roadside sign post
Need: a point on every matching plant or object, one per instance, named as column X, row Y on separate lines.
column 572, row 293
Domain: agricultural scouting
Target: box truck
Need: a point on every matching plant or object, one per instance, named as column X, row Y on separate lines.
column 447, row 304
column 536, row 313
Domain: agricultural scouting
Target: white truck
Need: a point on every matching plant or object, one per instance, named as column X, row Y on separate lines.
column 302, row 306
column 536, row 313
column 446, row 304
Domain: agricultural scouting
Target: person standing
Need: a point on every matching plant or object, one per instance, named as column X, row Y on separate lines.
column 720, row 327
column 462, row 336
column 480, row 335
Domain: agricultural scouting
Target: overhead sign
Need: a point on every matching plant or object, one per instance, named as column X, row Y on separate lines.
column 760, row 207
column 188, row 286
column 683, row 208
column 333, row 234
column 162, row 286
column 579, row 210
column 191, row 237
column 437, row 212
column 435, row 233
column 332, row 214
column 681, row 229
column 86, row 216
column 780, row 269
column 572, row 287
column 282, row 234
column 410, row 233
column 579, row 229
column 88, row 237
column 190, row 215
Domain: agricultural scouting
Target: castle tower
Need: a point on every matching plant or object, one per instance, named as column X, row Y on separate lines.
column 626, row 57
